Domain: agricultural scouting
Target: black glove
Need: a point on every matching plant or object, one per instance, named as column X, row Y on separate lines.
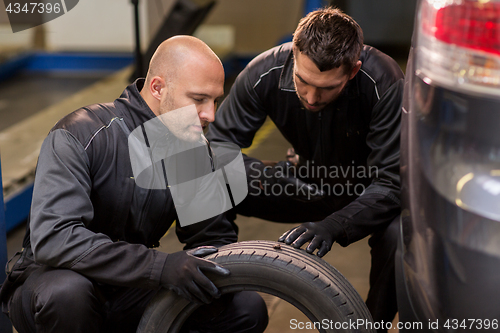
column 283, row 174
column 321, row 236
column 183, row 273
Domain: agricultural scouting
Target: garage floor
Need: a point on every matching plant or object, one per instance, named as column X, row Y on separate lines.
column 45, row 89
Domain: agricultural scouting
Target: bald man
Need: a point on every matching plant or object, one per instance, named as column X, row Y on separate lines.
column 88, row 263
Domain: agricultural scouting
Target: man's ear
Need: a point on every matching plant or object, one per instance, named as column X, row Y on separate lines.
column 157, row 87
column 355, row 70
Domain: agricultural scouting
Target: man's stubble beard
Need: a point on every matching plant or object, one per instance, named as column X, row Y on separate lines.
column 178, row 128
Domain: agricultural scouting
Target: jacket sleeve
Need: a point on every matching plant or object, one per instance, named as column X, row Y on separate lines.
column 241, row 113
column 380, row 202
column 61, row 209
column 217, row 231
column 239, row 117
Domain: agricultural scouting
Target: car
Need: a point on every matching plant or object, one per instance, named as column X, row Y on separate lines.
column 448, row 258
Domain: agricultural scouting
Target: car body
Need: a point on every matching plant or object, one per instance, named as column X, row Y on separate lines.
column 448, row 259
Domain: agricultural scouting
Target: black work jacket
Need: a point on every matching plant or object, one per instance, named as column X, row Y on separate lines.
column 89, row 215
column 355, row 139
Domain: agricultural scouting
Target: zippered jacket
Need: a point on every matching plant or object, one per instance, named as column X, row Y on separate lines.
column 89, row 215
column 350, row 148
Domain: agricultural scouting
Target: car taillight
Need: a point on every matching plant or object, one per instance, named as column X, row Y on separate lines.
column 473, row 25
column 460, row 42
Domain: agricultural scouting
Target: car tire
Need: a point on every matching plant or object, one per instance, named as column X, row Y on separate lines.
column 306, row 281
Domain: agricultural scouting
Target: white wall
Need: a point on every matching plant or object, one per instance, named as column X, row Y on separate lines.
column 10, row 40
column 108, row 25
column 96, row 25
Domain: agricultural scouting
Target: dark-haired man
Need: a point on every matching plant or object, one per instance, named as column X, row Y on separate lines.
column 337, row 102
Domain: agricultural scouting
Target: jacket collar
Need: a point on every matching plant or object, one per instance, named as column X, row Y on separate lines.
column 135, row 105
column 286, row 77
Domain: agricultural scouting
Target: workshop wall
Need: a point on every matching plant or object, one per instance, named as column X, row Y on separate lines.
column 384, row 22
column 95, row 25
column 92, row 25
column 258, row 24
column 250, row 26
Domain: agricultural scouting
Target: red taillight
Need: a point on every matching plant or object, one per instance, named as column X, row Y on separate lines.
column 473, row 25
column 459, row 43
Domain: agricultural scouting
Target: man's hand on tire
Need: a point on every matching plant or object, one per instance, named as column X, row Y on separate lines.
column 183, row 273
column 320, row 235
column 283, row 174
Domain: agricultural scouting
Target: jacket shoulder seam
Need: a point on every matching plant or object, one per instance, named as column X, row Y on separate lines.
column 71, row 135
column 99, row 130
column 373, row 80
column 265, row 73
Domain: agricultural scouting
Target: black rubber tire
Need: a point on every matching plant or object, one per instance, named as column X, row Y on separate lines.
column 304, row 280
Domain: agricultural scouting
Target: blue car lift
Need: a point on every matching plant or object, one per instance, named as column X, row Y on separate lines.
column 5, row 325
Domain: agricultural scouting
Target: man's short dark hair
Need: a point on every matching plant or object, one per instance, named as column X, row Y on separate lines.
column 330, row 38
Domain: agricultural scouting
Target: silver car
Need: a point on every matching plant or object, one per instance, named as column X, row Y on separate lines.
column 448, row 260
